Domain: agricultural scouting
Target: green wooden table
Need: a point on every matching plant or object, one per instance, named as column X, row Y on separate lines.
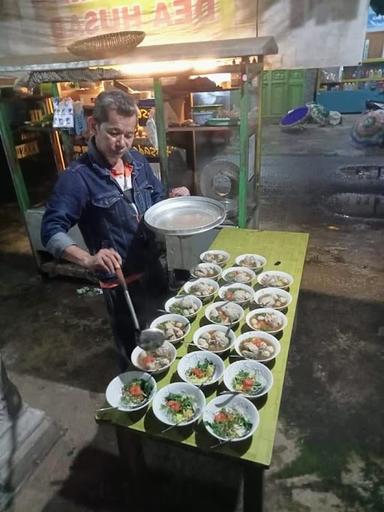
column 284, row 251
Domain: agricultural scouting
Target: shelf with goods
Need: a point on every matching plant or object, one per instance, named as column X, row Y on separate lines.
column 347, row 81
column 26, row 125
column 217, row 126
column 74, row 142
column 347, row 89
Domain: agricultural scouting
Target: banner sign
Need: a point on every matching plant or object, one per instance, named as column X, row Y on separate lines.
column 47, row 26
column 309, row 33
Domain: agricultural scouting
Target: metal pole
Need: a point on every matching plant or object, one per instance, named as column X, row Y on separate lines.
column 256, row 213
column 161, row 131
column 244, row 145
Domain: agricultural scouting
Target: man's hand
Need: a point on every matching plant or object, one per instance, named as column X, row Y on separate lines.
column 179, row 192
column 106, row 259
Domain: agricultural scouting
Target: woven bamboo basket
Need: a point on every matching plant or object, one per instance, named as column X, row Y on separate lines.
column 107, row 45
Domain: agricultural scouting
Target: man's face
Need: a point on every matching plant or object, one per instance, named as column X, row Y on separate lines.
column 115, row 136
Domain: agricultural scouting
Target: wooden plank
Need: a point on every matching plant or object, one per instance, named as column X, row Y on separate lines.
column 284, row 251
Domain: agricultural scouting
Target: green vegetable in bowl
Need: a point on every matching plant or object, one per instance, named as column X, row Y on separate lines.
column 179, row 407
column 201, row 373
column 229, row 423
column 247, row 382
column 135, row 392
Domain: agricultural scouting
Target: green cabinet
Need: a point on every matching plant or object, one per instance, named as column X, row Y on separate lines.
column 283, row 90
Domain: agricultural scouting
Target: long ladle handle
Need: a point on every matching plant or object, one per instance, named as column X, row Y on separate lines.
column 121, row 279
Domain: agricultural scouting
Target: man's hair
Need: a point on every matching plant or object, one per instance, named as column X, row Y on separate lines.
column 113, row 100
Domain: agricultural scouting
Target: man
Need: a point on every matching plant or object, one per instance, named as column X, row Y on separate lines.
column 106, row 192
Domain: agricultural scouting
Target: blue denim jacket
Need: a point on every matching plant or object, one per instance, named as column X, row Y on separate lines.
column 87, row 195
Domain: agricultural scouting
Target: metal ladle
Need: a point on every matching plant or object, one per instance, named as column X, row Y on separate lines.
column 147, row 339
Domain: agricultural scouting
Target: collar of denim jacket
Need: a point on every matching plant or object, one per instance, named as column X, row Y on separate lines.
column 99, row 159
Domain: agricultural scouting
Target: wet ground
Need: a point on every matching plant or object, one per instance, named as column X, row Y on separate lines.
column 328, row 455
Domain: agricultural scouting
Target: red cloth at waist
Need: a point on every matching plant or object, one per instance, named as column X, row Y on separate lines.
column 129, row 279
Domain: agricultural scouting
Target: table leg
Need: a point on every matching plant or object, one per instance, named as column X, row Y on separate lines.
column 131, row 452
column 253, row 489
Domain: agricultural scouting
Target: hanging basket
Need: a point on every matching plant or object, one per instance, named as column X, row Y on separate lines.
column 107, row 45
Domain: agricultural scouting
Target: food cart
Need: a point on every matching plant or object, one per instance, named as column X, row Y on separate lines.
column 215, row 125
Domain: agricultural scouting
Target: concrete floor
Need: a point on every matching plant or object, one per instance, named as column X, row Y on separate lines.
column 328, row 455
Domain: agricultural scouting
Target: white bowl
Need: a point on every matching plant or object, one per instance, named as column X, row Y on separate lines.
column 172, row 317
column 189, row 284
column 192, row 359
column 249, row 274
column 175, row 300
column 274, row 293
column 267, row 338
column 237, row 403
column 204, row 257
column 261, row 372
column 268, row 279
column 115, row 388
column 167, row 349
column 178, row 388
column 205, row 267
column 261, row 261
column 261, row 311
column 214, row 327
column 236, row 286
column 224, row 303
